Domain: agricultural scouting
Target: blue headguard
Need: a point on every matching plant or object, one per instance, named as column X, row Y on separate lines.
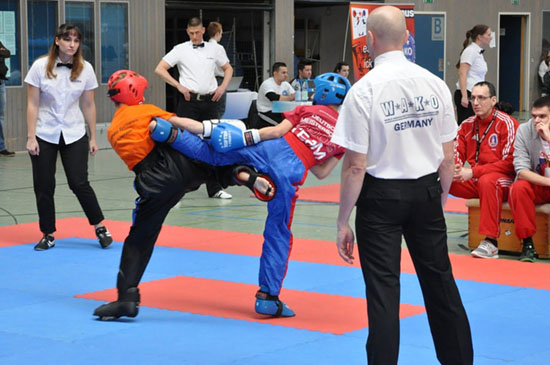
column 330, row 88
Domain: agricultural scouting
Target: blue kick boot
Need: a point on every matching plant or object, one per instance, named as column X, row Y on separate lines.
column 271, row 305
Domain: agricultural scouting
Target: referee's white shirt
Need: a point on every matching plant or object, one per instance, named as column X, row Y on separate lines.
column 473, row 56
column 196, row 66
column 59, row 109
column 398, row 114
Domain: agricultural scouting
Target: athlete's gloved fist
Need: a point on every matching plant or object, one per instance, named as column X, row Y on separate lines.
column 227, row 137
column 163, row 131
column 210, row 124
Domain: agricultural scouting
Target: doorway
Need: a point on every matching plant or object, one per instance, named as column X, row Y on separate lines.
column 513, row 62
column 429, row 29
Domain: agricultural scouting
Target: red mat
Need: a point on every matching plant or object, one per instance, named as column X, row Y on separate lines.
column 503, row 272
column 318, row 312
column 331, row 194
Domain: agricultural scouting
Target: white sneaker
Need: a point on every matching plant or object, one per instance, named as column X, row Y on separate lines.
column 222, row 195
column 486, row 250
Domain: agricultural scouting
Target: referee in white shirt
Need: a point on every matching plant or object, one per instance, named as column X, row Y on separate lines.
column 398, row 126
column 57, row 83
column 472, row 69
column 198, row 90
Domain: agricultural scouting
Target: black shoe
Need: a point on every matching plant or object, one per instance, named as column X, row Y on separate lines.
column 104, row 237
column 47, row 242
column 127, row 305
column 7, row 153
column 528, row 253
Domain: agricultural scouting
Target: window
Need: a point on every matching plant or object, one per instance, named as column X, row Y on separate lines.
column 81, row 14
column 114, row 38
column 9, row 36
column 42, row 19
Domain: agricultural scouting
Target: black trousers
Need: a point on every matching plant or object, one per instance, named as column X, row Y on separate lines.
column 162, row 179
column 74, row 158
column 386, row 211
column 200, row 110
column 462, row 113
column 223, row 99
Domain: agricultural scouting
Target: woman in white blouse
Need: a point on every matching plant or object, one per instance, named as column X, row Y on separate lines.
column 57, row 82
column 543, row 68
column 471, row 68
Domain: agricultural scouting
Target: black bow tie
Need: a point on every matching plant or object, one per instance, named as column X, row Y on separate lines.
column 198, row 45
column 68, row 65
column 481, row 51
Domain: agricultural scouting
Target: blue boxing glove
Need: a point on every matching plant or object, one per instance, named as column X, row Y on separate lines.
column 227, row 137
column 210, row 124
column 164, row 131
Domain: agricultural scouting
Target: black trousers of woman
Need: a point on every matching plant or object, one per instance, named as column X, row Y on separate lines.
column 74, row 158
column 462, row 112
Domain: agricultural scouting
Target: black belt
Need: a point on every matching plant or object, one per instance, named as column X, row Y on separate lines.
column 200, row 97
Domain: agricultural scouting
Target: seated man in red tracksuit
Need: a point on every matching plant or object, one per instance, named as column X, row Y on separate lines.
column 285, row 157
column 486, row 142
column 163, row 176
column 532, row 164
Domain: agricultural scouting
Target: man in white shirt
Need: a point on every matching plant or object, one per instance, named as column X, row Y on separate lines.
column 273, row 89
column 398, row 126
column 198, row 90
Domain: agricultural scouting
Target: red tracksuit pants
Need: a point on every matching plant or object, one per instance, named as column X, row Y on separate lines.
column 523, row 198
column 492, row 189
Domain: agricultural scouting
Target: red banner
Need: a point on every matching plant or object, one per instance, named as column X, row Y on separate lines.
column 359, row 13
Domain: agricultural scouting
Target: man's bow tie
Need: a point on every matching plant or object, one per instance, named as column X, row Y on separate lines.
column 481, row 51
column 68, row 65
column 198, row 45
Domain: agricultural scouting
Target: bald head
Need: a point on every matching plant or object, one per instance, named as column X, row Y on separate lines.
column 387, row 24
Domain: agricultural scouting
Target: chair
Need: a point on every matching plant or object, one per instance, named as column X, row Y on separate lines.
column 258, row 120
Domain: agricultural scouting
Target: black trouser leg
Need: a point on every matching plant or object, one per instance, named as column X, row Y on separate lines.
column 385, row 209
column 379, row 245
column 200, row 110
column 74, row 157
column 43, row 174
column 462, row 112
column 426, row 238
column 138, row 246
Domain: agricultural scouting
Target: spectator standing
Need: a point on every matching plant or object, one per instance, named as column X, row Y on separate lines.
column 486, row 142
column 543, row 65
column 543, row 69
column 407, row 154
column 275, row 88
column 472, row 68
column 215, row 31
column 56, row 124
column 4, row 53
column 198, row 90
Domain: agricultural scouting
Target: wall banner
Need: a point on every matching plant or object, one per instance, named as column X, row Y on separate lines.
column 359, row 14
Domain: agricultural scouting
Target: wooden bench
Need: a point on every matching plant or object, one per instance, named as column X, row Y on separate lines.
column 508, row 241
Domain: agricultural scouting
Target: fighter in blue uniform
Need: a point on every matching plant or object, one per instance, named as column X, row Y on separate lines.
column 285, row 157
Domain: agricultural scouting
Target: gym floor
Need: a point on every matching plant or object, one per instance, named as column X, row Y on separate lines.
column 48, row 297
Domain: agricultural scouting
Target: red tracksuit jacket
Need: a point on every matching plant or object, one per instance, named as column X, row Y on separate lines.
column 496, row 149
